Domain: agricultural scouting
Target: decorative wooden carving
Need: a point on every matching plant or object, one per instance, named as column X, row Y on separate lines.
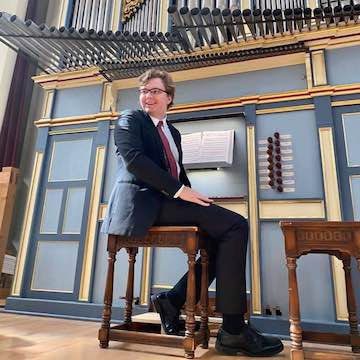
column 130, row 9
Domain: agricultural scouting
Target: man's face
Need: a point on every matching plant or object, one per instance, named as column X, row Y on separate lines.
column 153, row 98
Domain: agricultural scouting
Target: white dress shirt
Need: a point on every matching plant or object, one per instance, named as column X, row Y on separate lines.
column 172, row 144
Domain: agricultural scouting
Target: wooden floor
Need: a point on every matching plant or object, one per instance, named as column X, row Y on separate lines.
column 32, row 337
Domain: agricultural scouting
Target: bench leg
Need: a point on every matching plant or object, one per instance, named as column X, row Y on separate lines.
column 189, row 341
column 351, row 302
column 108, row 296
column 204, row 301
column 130, row 284
column 296, row 352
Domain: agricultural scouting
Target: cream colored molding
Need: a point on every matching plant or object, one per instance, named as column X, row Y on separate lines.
column 333, row 212
column 115, row 19
column 285, row 109
column 26, row 228
column 48, row 104
column 308, row 67
column 318, row 67
column 345, row 102
column 70, row 79
column 76, row 120
column 85, row 285
column 72, row 131
column 108, row 101
column 146, row 276
column 163, row 16
column 224, row 69
column 254, row 223
column 238, row 206
column 102, row 211
column 291, row 209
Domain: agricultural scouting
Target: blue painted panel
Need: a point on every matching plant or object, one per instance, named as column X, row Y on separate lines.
column 314, row 278
column 340, row 65
column 355, row 196
column 351, row 124
column 224, row 182
column 78, row 101
column 306, row 154
column 222, row 87
column 55, row 266
column 121, row 273
column 74, row 209
column 51, row 211
column 168, row 266
column 77, row 154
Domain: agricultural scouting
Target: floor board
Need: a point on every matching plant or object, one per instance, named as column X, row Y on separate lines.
column 34, row 337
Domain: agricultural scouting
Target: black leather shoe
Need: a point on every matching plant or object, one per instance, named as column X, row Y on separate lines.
column 249, row 342
column 169, row 314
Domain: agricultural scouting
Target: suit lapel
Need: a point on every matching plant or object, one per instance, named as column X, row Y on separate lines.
column 151, row 129
column 177, row 140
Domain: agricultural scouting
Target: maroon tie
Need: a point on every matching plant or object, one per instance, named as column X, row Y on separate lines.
column 169, row 155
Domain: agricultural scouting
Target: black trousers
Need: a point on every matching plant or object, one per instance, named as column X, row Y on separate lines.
column 227, row 234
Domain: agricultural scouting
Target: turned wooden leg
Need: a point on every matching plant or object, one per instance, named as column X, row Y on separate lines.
column 130, row 284
column 204, row 300
column 296, row 352
column 189, row 341
column 108, row 296
column 351, row 302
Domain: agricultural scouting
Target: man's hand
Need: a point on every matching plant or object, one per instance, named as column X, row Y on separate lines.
column 188, row 194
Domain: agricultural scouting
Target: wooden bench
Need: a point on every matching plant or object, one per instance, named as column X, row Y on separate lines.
column 190, row 240
column 341, row 239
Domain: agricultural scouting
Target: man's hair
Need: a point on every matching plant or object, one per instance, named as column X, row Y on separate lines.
column 164, row 76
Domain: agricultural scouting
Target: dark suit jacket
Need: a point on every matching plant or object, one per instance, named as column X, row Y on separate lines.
column 143, row 178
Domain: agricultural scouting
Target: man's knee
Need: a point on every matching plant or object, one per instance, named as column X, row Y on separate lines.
column 242, row 222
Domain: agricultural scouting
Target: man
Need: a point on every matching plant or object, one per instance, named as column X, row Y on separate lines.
column 152, row 188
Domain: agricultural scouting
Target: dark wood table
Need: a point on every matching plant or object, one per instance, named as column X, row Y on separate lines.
column 340, row 239
column 190, row 240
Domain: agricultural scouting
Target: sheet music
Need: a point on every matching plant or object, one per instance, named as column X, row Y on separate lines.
column 208, row 149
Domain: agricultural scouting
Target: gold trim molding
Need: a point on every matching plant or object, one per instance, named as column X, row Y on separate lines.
column 48, row 104
column 318, row 67
column 26, row 228
column 285, row 109
column 70, row 79
column 254, row 223
column 238, row 206
column 75, row 120
column 291, row 209
column 146, row 275
column 333, row 212
column 345, row 102
column 72, row 131
column 84, row 292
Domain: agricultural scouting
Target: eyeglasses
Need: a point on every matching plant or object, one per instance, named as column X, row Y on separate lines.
column 152, row 92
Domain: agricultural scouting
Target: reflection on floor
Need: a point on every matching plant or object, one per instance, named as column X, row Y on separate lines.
column 33, row 337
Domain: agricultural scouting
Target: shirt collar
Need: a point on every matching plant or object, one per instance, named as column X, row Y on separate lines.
column 156, row 121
